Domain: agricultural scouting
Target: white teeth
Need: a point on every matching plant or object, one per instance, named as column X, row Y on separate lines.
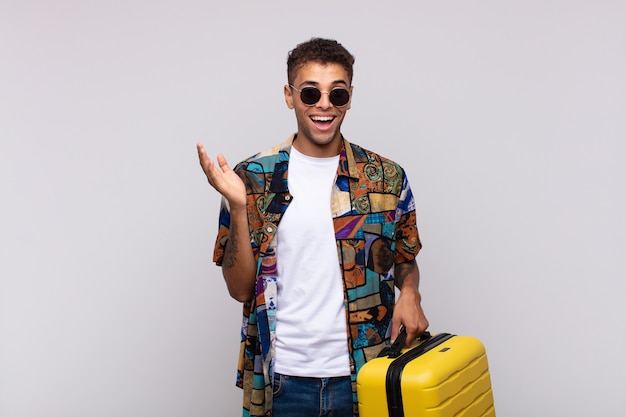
column 322, row 118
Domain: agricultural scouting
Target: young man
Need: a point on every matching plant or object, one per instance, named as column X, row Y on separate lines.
column 313, row 236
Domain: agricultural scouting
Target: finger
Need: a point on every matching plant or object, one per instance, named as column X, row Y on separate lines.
column 205, row 162
column 395, row 329
column 221, row 161
column 202, row 156
column 200, row 148
column 410, row 336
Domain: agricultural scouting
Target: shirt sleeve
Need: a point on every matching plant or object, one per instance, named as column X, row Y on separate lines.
column 407, row 240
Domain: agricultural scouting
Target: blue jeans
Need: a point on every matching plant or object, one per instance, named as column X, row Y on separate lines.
column 312, row 397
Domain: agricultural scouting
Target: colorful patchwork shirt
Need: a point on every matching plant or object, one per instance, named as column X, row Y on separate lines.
column 375, row 228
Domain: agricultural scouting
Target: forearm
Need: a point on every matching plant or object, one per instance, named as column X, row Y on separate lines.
column 407, row 276
column 408, row 310
column 238, row 264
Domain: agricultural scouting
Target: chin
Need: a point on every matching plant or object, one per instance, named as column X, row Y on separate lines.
column 323, row 141
column 324, row 138
column 320, row 139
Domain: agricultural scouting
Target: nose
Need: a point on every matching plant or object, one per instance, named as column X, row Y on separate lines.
column 324, row 101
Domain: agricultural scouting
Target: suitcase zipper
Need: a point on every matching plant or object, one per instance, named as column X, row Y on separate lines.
column 394, row 372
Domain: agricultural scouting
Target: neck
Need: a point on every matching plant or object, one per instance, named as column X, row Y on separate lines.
column 318, row 150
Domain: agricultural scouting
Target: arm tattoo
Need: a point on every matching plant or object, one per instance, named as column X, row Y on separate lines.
column 230, row 251
column 402, row 271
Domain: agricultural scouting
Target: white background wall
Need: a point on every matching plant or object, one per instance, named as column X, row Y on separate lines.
column 508, row 116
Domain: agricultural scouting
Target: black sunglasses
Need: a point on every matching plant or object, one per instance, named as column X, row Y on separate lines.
column 310, row 95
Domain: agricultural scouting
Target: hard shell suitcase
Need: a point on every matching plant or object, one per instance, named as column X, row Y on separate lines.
column 441, row 375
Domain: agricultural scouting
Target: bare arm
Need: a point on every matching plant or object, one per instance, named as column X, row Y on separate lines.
column 238, row 265
column 408, row 310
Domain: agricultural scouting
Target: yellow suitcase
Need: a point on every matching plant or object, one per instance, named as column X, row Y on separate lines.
column 441, row 375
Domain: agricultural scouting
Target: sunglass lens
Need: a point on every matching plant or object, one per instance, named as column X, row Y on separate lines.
column 339, row 96
column 310, row 95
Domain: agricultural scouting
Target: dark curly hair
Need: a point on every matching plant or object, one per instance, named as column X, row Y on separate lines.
column 320, row 50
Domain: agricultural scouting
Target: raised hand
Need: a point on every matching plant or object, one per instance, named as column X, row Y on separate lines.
column 223, row 179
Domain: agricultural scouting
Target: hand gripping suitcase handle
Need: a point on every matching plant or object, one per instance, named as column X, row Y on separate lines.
column 393, row 378
column 393, row 351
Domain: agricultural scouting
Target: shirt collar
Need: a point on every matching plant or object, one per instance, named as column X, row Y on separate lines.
column 347, row 164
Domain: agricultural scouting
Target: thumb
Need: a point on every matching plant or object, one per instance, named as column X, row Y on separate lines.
column 221, row 161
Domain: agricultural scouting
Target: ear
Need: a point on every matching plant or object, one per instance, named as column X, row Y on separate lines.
column 288, row 96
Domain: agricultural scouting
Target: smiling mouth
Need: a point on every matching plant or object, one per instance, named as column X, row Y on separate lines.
column 322, row 119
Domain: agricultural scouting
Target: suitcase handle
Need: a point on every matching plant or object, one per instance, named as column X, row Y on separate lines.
column 393, row 351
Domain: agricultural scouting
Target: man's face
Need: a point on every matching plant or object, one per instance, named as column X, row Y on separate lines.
column 318, row 124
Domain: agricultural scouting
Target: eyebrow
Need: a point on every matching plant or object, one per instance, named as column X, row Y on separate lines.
column 336, row 82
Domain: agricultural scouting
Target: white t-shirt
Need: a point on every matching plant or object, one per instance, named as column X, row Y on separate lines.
column 311, row 337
